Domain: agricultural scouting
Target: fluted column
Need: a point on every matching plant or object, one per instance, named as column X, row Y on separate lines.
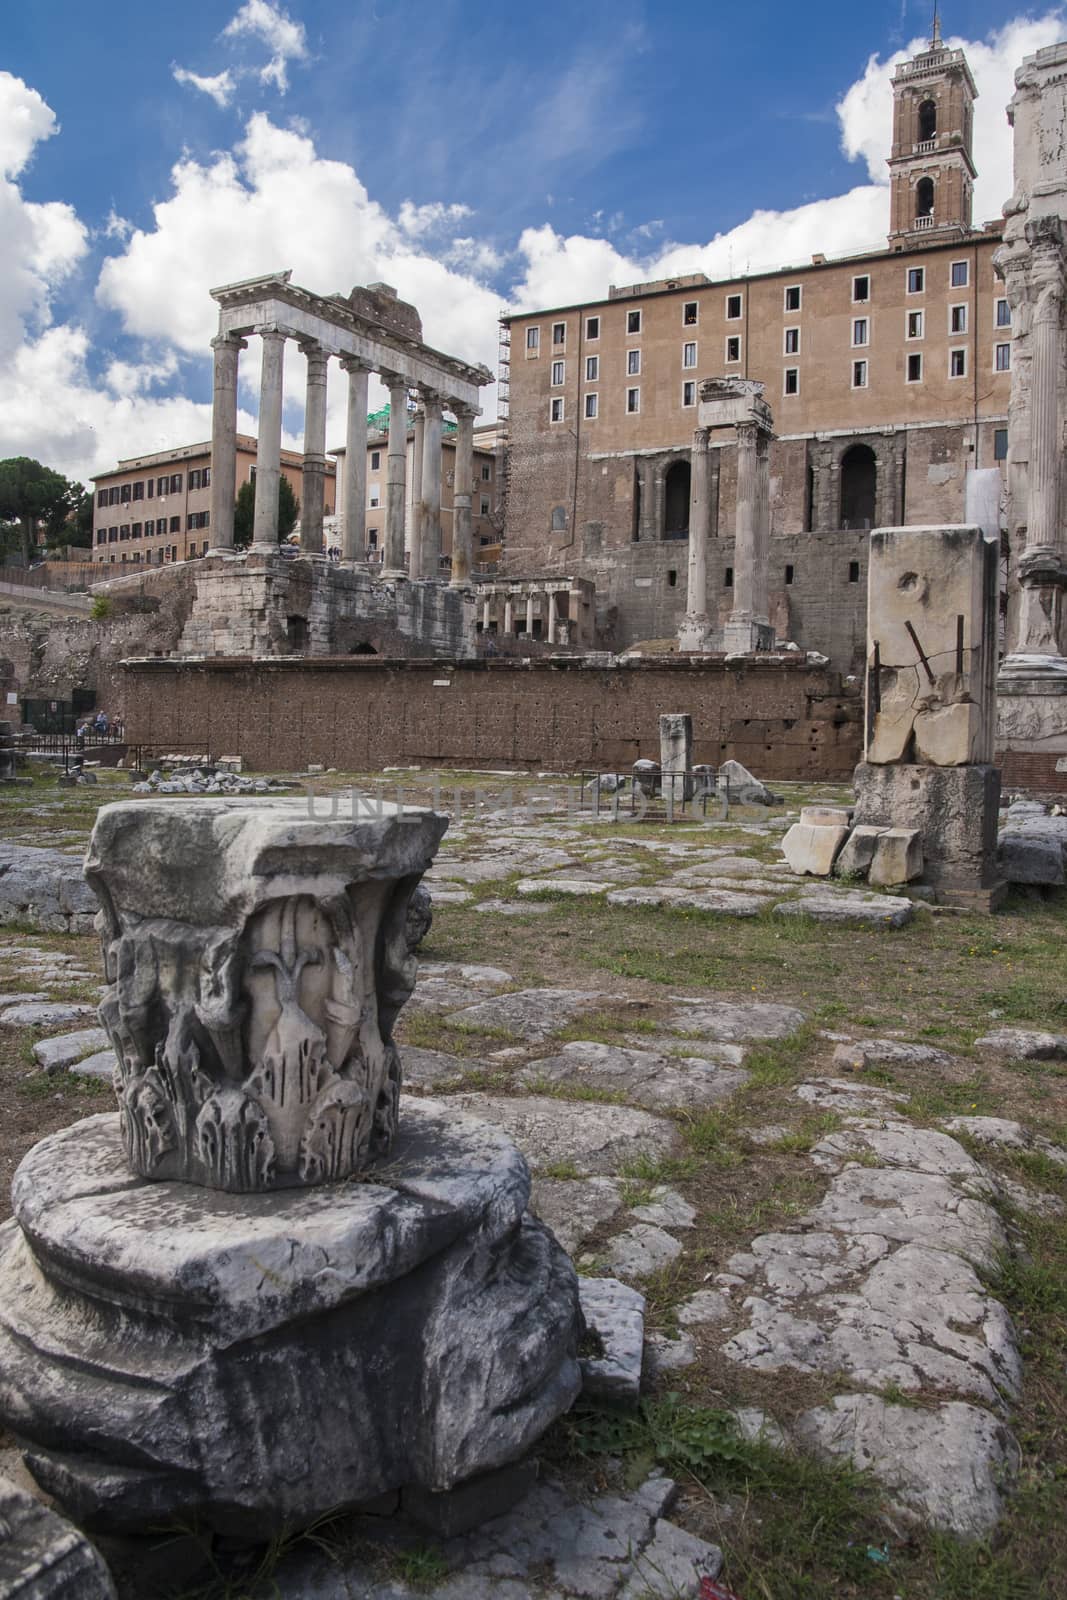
column 227, row 351
column 395, row 475
column 269, row 449
column 696, row 595
column 313, row 478
column 552, row 616
column 354, row 515
column 415, row 540
column 462, row 526
column 430, row 496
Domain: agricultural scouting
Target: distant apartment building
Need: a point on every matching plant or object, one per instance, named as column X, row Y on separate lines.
column 156, row 508
column 888, row 374
column 484, row 502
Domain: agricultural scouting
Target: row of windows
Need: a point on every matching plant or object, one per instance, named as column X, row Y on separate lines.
column 792, row 299
column 150, row 529
column 376, row 466
column 161, row 554
column 120, row 494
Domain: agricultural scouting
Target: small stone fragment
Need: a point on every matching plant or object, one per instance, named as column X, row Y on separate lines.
column 706, row 1306
column 615, row 1315
column 642, row 1250
column 1023, row 1044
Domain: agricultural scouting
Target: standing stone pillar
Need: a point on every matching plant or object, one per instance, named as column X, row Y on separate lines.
column 739, row 632
column 676, row 758
column 462, row 529
column 509, row 614
column 551, row 616
column 395, row 476
column 269, row 450
column 529, row 616
column 762, row 542
column 354, row 514
column 418, row 452
column 430, row 497
column 313, row 479
column 224, row 439
column 695, row 633
column 487, row 614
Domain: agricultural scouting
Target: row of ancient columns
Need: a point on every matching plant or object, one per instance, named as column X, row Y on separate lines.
column 532, row 599
column 425, row 554
column 749, row 611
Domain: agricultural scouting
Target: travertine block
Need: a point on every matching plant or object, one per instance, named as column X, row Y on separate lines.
column 813, row 850
column 954, row 810
column 898, row 858
column 857, row 852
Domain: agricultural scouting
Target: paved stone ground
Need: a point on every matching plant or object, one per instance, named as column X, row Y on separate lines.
column 866, row 1323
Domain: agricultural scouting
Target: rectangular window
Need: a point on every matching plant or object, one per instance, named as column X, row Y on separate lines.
column 859, row 374
column 690, row 311
column 151, row 487
column 960, row 274
column 135, row 531
column 733, row 347
column 591, row 403
column 592, row 369
column 485, row 508
column 375, row 498
column 633, row 363
column 791, row 384
column 1000, row 444
column 113, row 495
column 733, row 307
column 533, row 338
column 957, row 363
column 916, row 280
column 559, row 333
column 101, row 535
column 112, row 535
column 592, row 327
column 861, row 287
column 728, row 578
column 633, row 322
column 124, row 494
column 190, row 521
column 957, row 319
column 860, row 331
column 792, row 297
column 194, row 478
column 792, row 341
column 558, row 368
column 555, row 409
column 1002, row 358
column 376, row 460
column 487, row 473
column 175, row 482
column 124, row 531
column 149, row 529
column 689, row 355
column 689, row 393
column 915, row 324
column 1002, row 314
column 162, row 485
column 915, row 368
column 101, row 498
column 853, row 572
column 788, row 573
column 175, row 524
column 138, row 490
column 205, row 478
column 633, row 401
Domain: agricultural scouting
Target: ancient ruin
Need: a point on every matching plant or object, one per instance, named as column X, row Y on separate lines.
column 1033, row 264
column 256, row 959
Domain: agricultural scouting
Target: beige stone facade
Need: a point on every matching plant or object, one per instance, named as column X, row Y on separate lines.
column 155, row 509
column 888, row 374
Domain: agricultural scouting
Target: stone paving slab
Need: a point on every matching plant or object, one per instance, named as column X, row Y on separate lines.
column 580, row 888
column 733, row 1020
column 575, row 1207
column 884, row 911
column 641, row 1250
column 723, row 902
column 514, row 908
column 102, row 1065
column 44, row 1014
column 533, row 1014
column 595, row 1139
column 647, row 1077
column 862, row 1053
column 1023, row 1044
column 55, row 1054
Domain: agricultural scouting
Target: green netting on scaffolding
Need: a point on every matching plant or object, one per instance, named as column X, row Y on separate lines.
column 378, row 421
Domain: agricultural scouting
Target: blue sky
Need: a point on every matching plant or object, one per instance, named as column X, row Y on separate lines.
column 477, row 157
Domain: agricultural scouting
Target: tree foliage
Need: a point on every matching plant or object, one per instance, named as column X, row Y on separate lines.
column 245, row 507
column 33, row 496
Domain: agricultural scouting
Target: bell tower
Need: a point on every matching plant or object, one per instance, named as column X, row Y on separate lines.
column 931, row 168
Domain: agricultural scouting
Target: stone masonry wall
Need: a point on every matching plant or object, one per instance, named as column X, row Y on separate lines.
column 780, row 717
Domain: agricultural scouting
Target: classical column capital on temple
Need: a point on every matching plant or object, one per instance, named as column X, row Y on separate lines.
column 228, row 342
column 431, row 402
column 350, row 363
column 318, row 357
column 749, row 435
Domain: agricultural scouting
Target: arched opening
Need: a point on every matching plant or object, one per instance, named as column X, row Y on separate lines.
column 677, row 489
column 363, row 649
column 859, row 486
column 924, row 197
column 927, row 120
column 296, row 629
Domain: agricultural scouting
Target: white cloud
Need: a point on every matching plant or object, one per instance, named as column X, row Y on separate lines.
column 117, row 227
column 432, row 218
column 284, row 38
column 25, row 120
column 220, row 87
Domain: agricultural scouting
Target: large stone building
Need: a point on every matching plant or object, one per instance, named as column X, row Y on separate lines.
column 887, row 375
column 157, row 508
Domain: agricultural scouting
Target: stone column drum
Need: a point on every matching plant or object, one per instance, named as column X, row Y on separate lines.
column 200, row 1318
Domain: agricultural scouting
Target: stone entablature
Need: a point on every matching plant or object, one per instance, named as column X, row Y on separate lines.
column 370, row 330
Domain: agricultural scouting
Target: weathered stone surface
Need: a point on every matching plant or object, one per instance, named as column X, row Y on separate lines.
column 46, row 889
column 857, row 853
column 838, row 1094
column 54, row 1054
column 647, row 1077
column 533, row 1014
column 865, row 911
column 428, row 1069
column 1024, row 1044
column 102, row 1065
column 575, row 1207
column 888, row 1053
column 824, row 815
column 665, row 1208
column 44, row 1014
column 257, row 958
column 581, row 888
column 811, row 849
column 912, row 1208
column 465, row 972
column 419, row 917
column 642, row 1250
column 1023, row 858
column 513, row 908
column 948, row 1466
column 706, row 1306
column 744, row 789
column 899, row 1144
column 898, row 858
column 27, row 997
column 428, row 1271
column 594, row 1139
column 664, row 1354
column 615, row 1316
column 44, row 1557
column 730, row 1020
column 1002, row 1134
column 721, row 902
column 954, row 809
